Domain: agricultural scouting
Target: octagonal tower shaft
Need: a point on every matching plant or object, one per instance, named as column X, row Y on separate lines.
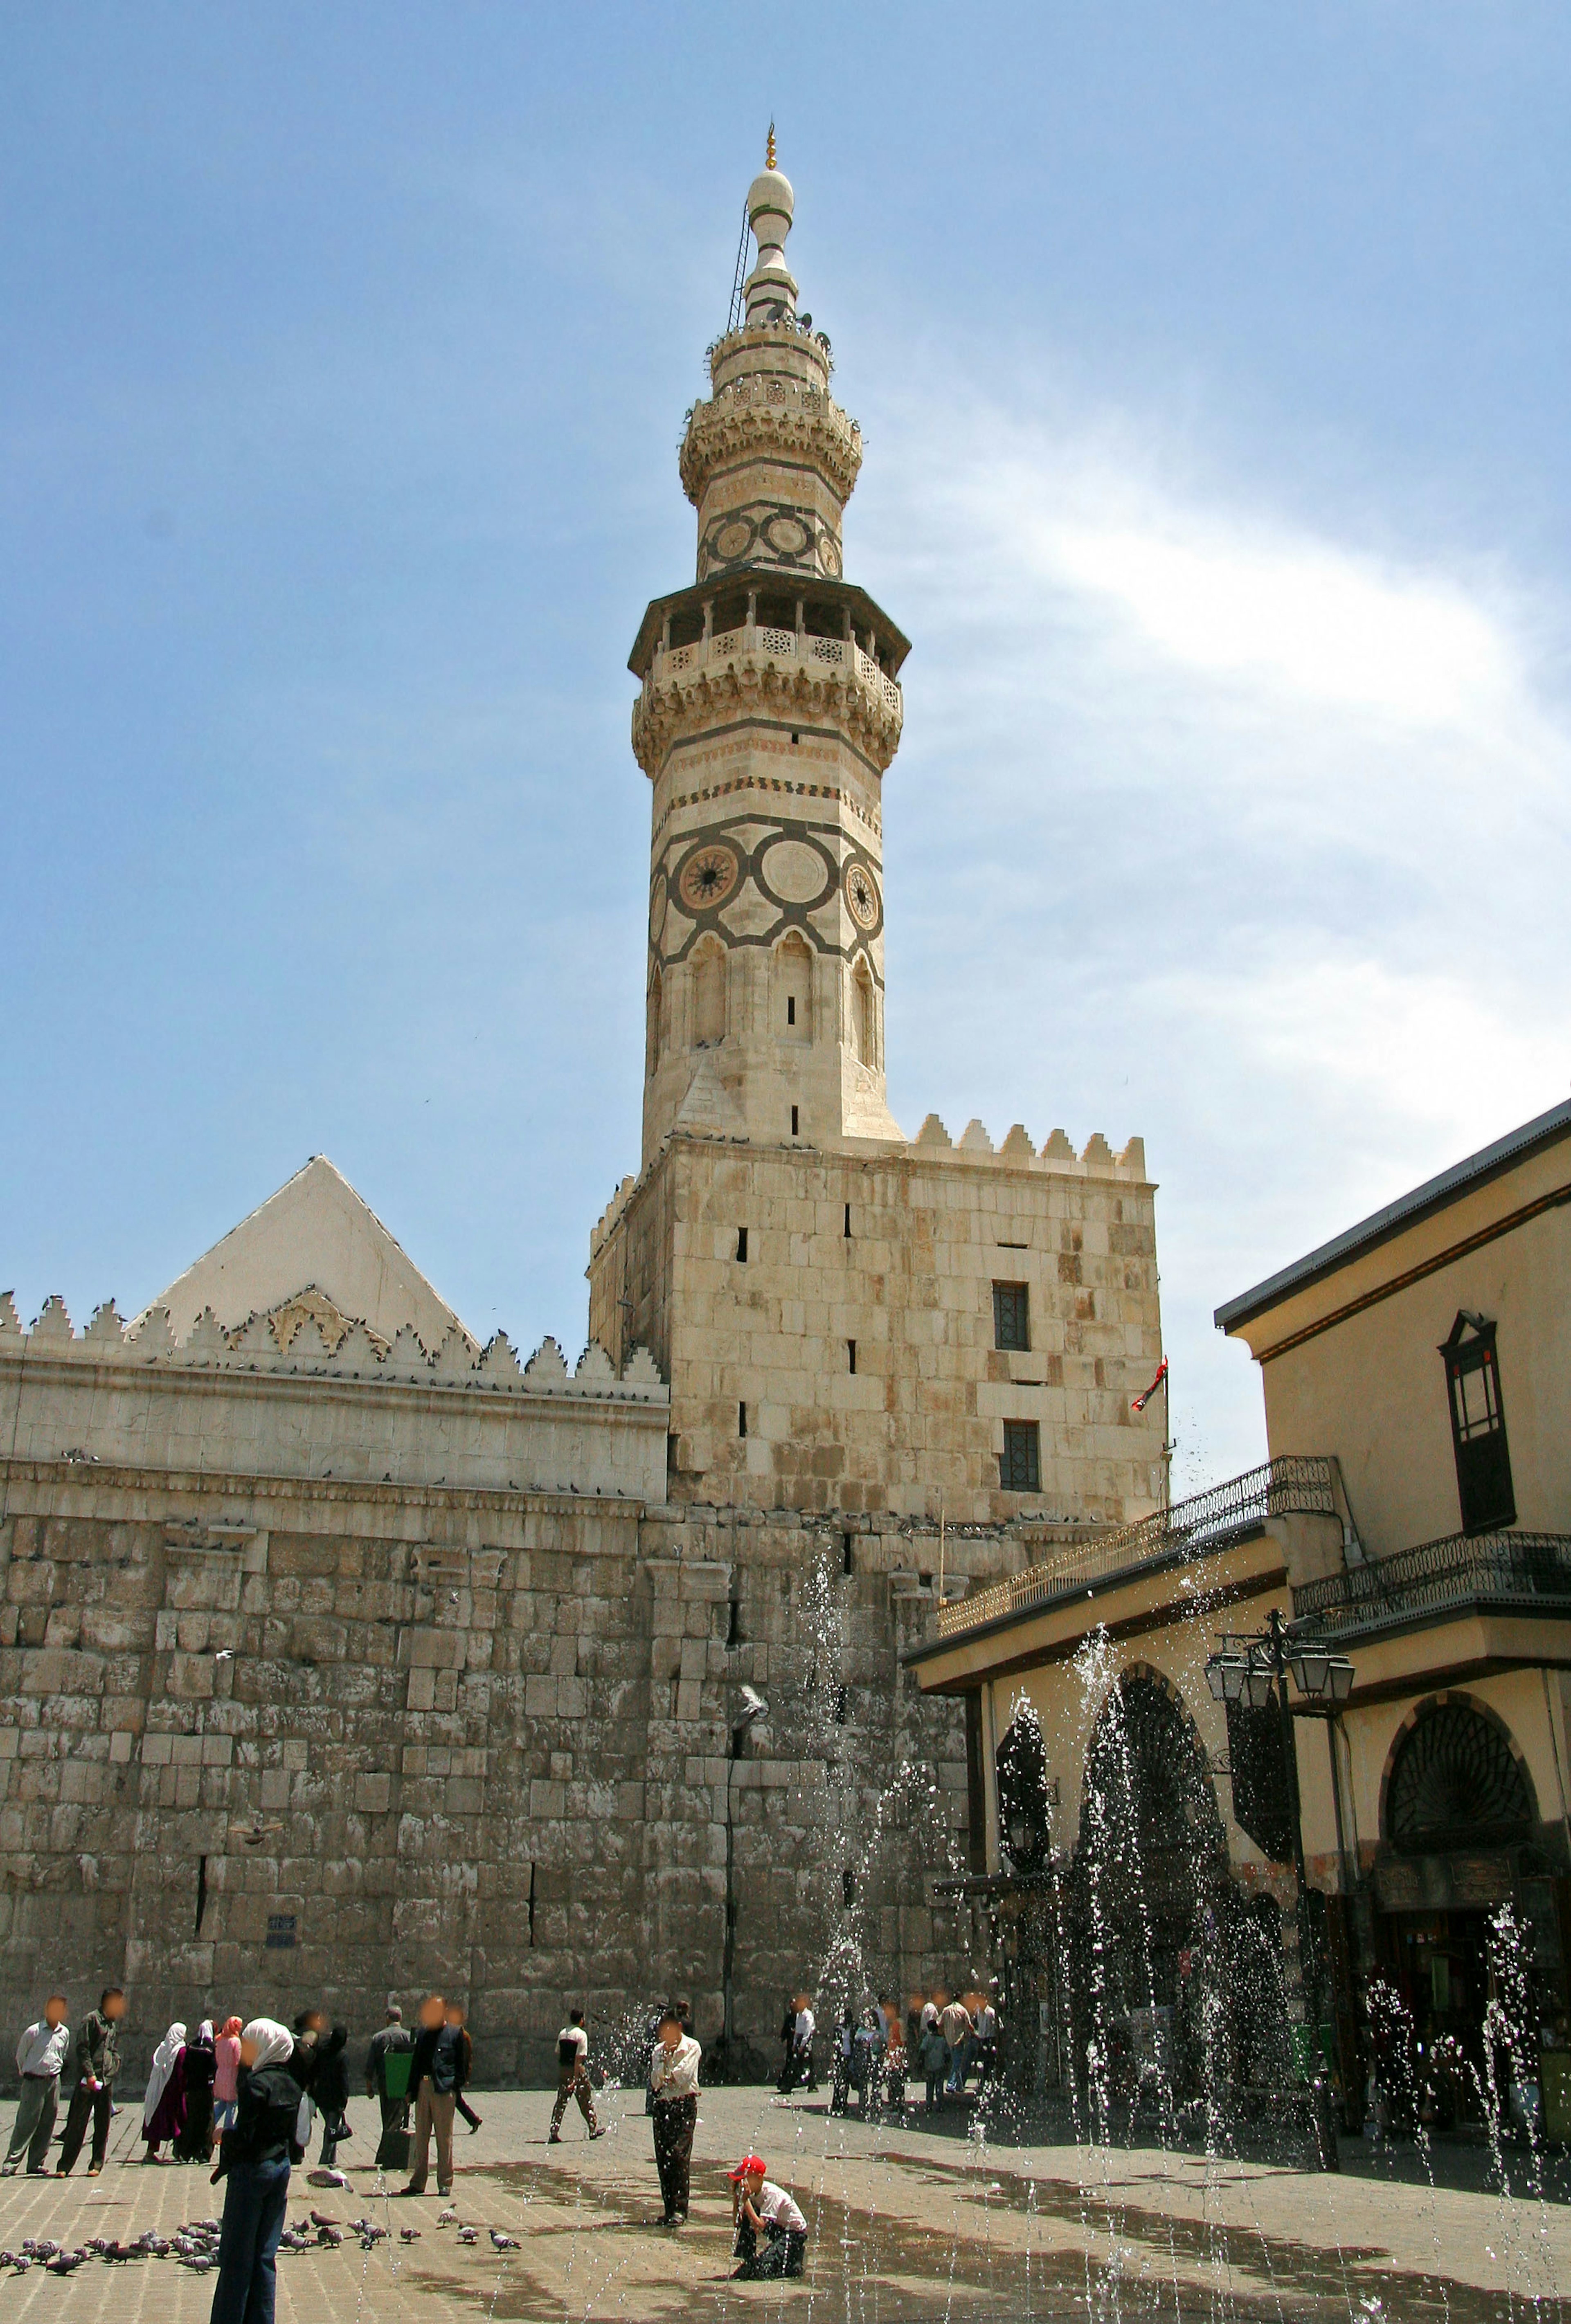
column 768, row 712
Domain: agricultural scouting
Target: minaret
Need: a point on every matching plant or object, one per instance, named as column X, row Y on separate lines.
column 768, row 712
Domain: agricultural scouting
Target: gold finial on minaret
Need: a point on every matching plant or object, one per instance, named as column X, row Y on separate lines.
column 768, row 149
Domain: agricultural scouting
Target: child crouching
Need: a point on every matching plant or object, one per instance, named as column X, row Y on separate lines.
column 771, row 2235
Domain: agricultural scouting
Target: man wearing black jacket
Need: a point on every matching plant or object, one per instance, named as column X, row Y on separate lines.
column 434, row 2073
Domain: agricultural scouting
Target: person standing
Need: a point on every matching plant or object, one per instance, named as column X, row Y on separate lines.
column 955, row 2020
column 674, row 2081
column 807, row 2027
column 195, row 2142
column 255, row 2159
column 97, row 2062
column 986, row 2044
column 456, row 2019
column 163, row 2103
column 760, row 2208
column 933, row 2052
column 788, row 2040
column 433, row 2075
column 40, row 2055
column 225, row 2067
column 573, row 2078
column 394, row 2040
column 843, row 2035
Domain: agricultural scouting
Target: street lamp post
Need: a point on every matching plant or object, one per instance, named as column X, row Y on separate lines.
column 753, row 1708
column 1255, row 1670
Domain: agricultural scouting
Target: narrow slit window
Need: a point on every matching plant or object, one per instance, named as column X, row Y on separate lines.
column 848, row 1885
column 201, row 1894
column 796, row 1119
column 847, row 1221
column 1012, row 1315
column 790, row 1007
column 742, row 1244
column 1020, row 1464
column 842, row 1706
column 851, row 1353
column 847, row 1553
column 733, row 1627
column 742, row 1420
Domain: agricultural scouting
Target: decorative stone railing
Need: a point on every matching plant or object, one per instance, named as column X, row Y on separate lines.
column 1514, row 1572
column 1201, row 1526
column 757, row 665
column 355, row 1353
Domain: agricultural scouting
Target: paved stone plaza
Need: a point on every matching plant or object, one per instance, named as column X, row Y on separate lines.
column 907, row 2224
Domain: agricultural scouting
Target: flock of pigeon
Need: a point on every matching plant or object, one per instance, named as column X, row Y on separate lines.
column 196, row 2244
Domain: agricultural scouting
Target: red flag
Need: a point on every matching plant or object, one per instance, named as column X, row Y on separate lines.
column 1138, row 1403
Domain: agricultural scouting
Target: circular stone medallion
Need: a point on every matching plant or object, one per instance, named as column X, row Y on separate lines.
column 830, row 554
column 734, row 539
column 786, row 535
column 861, row 895
column 792, row 872
column 707, row 877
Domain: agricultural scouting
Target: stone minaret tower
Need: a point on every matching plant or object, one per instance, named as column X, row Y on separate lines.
column 768, row 713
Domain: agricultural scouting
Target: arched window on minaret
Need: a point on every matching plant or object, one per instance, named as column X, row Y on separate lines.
column 864, row 1016
column 709, row 961
column 655, row 1033
column 792, row 998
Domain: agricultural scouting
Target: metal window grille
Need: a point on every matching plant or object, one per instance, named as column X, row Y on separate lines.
column 1012, row 1315
column 1020, row 1464
column 1478, row 1437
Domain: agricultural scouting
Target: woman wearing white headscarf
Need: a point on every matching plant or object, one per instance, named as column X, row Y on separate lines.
column 163, row 2108
column 254, row 2158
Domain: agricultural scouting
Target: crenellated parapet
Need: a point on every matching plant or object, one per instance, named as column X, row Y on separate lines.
column 300, row 1340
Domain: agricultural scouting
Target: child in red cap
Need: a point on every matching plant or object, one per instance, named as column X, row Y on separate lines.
column 771, row 2235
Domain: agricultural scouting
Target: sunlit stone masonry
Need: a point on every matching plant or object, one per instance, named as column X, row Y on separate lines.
column 344, row 1655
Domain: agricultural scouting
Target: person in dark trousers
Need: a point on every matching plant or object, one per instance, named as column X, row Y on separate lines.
column 456, row 2018
column 195, row 2142
column 394, row 2038
column 788, row 2036
column 330, row 2092
column 771, row 2235
column 674, row 2081
column 41, row 2056
column 433, row 2076
column 97, row 2062
column 573, row 2078
column 254, row 2159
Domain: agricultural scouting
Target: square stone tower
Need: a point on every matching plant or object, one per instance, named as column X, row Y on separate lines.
column 848, row 1321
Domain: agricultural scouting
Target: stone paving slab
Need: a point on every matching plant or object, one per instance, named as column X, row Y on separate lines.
column 909, row 2223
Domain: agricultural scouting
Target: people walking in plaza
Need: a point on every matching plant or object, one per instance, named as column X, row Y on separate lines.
column 195, row 2142
column 163, row 2102
column 394, row 2040
column 225, row 2067
column 955, row 2019
column 433, row 2075
column 674, row 2081
column 771, row 2235
column 254, row 2159
column 573, row 2077
column 456, row 2016
column 984, row 2047
column 933, row 2053
column 41, row 2055
column 95, row 2061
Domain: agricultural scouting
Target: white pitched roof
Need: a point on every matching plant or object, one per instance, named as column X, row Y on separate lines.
column 315, row 1233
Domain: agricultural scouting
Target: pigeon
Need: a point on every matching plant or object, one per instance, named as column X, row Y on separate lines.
column 199, row 2262
column 156, row 2245
column 502, row 2242
column 325, row 2219
column 24, row 2264
column 331, row 2237
column 445, row 2218
column 327, row 2179
column 409, row 2234
column 469, row 2234
column 64, row 2262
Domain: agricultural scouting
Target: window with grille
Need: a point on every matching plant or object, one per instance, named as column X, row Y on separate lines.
column 1020, row 1464
column 1478, row 1438
column 1012, row 1315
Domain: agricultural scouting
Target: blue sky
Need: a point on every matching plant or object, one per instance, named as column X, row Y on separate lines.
column 1212, row 364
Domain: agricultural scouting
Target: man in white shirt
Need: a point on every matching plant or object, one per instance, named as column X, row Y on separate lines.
column 40, row 2055
column 763, row 2210
column 806, row 2025
column 573, row 2077
column 673, row 2080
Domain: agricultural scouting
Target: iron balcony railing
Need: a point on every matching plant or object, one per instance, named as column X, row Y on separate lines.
column 1297, row 1483
column 1526, row 1573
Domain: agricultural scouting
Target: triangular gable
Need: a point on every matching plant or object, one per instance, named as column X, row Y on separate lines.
column 314, row 1234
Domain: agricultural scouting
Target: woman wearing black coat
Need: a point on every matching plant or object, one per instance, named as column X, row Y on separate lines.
column 330, row 2091
column 254, row 2158
column 195, row 2141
